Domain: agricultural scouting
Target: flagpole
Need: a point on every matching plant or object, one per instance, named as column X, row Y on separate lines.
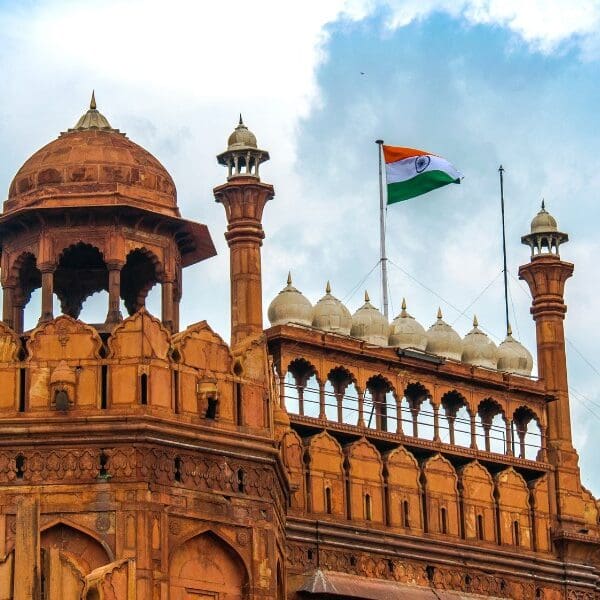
column 501, row 171
column 383, row 257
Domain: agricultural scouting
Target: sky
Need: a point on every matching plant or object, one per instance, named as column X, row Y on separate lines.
column 480, row 82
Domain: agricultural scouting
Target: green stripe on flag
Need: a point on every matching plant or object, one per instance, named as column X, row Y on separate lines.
column 421, row 184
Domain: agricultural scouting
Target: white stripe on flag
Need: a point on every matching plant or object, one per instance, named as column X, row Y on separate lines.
column 408, row 168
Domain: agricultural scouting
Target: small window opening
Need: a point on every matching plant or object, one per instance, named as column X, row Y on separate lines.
column 103, row 387
column 443, row 521
column 353, row 561
column 211, row 409
column 19, row 466
column 480, row 535
column 390, row 565
column 103, row 473
column 22, row 386
column 239, row 406
column 406, row 514
column 241, row 476
column 328, row 507
column 467, row 579
column 61, row 400
column 178, row 465
column 368, row 508
column 430, row 570
column 539, row 593
column 309, row 554
column 144, row 388
column 516, row 533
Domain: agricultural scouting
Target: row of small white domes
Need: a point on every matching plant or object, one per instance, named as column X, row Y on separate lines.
column 367, row 323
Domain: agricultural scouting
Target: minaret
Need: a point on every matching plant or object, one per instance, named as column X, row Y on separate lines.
column 244, row 197
column 546, row 275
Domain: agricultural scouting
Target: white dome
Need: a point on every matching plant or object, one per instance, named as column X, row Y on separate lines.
column 369, row 324
column 513, row 357
column 290, row 306
column 478, row 349
column 329, row 314
column 443, row 340
column 407, row 332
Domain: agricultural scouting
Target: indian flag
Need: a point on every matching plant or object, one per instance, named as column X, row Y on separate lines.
column 411, row 172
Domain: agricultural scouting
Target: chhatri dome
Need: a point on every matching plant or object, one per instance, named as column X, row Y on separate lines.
column 369, row 324
column 241, row 137
column 543, row 222
column 290, row 306
column 331, row 315
column 478, row 349
column 95, row 160
column 443, row 340
column 513, row 357
column 406, row 332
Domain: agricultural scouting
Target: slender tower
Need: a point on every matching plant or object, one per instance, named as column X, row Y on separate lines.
column 546, row 275
column 244, row 197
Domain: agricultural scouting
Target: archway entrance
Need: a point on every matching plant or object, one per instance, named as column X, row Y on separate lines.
column 206, row 568
column 68, row 555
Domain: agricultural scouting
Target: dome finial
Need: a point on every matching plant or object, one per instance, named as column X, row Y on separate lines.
column 93, row 101
column 367, row 299
column 475, row 321
column 241, row 121
column 543, row 204
column 403, row 303
column 289, row 279
column 439, row 313
column 328, row 288
column 509, row 330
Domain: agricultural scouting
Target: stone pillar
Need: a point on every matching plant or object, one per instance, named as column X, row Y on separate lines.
column 114, row 292
column 7, row 305
column 509, row 438
column 361, row 408
column 18, row 314
column 487, row 427
column 399, row 428
column 167, row 305
column 322, row 414
column 244, row 199
column 436, row 424
column 27, row 550
column 473, row 431
column 47, row 292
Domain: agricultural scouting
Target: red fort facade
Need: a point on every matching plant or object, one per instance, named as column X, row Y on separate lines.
column 329, row 456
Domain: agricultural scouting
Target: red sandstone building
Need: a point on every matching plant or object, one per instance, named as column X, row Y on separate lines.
column 329, row 456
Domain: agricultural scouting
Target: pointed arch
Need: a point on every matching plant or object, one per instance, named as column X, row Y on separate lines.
column 207, row 562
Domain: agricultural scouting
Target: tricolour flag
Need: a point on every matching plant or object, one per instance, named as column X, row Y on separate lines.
column 411, row 172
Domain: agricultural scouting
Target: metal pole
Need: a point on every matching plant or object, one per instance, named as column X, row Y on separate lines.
column 383, row 257
column 501, row 171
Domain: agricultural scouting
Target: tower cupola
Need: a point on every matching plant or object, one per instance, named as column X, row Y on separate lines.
column 544, row 238
column 242, row 157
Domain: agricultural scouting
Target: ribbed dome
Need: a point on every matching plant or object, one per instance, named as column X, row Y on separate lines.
column 241, row 137
column 543, row 222
column 290, row 306
column 94, row 161
column 329, row 314
column 443, row 340
column 407, row 332
column 513, row 357
column 478, row 349
column 369, row 324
